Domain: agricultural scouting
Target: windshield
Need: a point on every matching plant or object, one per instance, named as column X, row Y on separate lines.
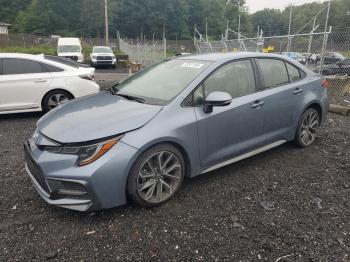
column 160, row 83
column 102, row 50
column 68, row 48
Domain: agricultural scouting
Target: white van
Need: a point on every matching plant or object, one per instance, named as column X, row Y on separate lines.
column 70, row 47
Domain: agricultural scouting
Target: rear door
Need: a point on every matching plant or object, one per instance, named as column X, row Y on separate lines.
column 234, row 129
column 22, row 84
column 282, row 91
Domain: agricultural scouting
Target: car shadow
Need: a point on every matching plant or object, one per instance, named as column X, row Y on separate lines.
column 19, row 116
column 234, row 171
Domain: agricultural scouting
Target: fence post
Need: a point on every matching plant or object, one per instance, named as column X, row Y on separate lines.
column 164, row 47
column 325, row 38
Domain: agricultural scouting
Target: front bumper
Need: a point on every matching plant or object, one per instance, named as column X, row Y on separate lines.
column 103, row 62
column 99, row 185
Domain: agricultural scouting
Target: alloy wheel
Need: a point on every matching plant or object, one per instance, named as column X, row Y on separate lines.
column 159, row 177
column 56, row 99
column 309, row 127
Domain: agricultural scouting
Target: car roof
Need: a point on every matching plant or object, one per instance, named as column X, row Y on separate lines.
column 39, row 58
column 20, row 55
column 217, row 57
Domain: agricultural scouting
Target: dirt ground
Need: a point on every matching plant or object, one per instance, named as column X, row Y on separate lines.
column 287, row 204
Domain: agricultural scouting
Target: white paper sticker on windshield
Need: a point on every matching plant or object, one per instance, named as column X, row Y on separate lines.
column 192, row 65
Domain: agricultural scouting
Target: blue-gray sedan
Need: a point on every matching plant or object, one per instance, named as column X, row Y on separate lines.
column 181, row 117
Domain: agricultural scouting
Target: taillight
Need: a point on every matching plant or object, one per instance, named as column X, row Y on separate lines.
column 90, row 77
column 325, row 83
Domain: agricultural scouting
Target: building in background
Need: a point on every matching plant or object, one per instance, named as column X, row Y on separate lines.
column 4, row 28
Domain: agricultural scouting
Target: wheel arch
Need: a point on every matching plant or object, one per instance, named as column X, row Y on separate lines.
column 317, row 106
column 50, row 91
column 178, row 146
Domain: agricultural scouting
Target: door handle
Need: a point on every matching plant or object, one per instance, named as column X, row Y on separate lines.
column 297, row 91
column 258, row 104
column 40, row 81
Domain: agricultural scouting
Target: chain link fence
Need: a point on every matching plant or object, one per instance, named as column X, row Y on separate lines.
column 25, row 40
column 327, row 53
column 143, row 52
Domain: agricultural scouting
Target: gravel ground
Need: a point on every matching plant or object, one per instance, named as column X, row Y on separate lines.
column 287, row 202
column 109, row 77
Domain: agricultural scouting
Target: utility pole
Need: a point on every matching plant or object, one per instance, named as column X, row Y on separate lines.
column 106, row 23
column 206, row 30
column 325, row 37
column 289, row 28
column 239, row 20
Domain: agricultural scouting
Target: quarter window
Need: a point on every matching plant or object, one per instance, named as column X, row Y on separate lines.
column 236, row 78
column 293, row 72
column 13, row 66
column 273, row 71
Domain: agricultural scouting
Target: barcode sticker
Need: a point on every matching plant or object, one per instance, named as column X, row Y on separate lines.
column 192, row 65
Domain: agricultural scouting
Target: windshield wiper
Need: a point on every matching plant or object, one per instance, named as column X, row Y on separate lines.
column 134, row 98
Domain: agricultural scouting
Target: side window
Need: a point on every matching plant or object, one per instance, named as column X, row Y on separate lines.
column 50, row 68
column 14, row 66
column 273, row 71
column 1, row 66
column 236, row 78
column 293, row 72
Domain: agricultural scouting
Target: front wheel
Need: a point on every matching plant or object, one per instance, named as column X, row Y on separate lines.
column 156, row 176
column 307, row 128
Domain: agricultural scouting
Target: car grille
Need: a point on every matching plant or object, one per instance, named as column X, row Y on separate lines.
column 106, row 58
column 35, row 170
column 74, row 58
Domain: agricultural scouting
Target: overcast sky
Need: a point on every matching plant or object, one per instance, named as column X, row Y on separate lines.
column 256, row 5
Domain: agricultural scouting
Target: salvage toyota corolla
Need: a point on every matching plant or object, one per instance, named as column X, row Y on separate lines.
column 180, row 117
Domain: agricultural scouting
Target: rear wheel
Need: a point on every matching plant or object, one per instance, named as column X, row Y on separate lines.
column 307, row 128
column 54, row 99
column 156, row 176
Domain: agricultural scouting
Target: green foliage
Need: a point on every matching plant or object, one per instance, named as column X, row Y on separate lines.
column 136, row 18
column 10, row 8
column 39, row 49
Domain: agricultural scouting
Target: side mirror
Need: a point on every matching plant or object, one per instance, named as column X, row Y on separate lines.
column 216, row 99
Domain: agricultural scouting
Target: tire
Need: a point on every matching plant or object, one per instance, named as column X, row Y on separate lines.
column 307, row 128
column 55, row 96
column 153, row 186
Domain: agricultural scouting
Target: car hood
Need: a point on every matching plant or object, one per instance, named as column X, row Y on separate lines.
column 102, row 54
column 95, row 117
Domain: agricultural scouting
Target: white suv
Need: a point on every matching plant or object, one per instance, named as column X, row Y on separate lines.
column 30, row 83
column 103, row 56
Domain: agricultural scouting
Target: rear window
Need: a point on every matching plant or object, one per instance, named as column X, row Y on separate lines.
column 273, row 72
column 51, row 69
column 64, row 61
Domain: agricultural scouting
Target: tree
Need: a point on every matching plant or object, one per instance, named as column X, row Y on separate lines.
column 10, row 8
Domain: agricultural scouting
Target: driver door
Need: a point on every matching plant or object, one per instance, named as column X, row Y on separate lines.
column 235, row 129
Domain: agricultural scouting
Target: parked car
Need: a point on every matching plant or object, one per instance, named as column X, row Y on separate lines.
column 30, row 83
column 181, row 117
column 296, row 56
column 71, row 48
column 339, row 68
column 331, row 58
column 103, row 56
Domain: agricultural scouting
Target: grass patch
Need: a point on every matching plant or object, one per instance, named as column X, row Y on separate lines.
column 34, row 50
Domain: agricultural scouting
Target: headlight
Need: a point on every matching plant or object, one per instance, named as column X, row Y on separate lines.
column 86, row 154
column 94, row 57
